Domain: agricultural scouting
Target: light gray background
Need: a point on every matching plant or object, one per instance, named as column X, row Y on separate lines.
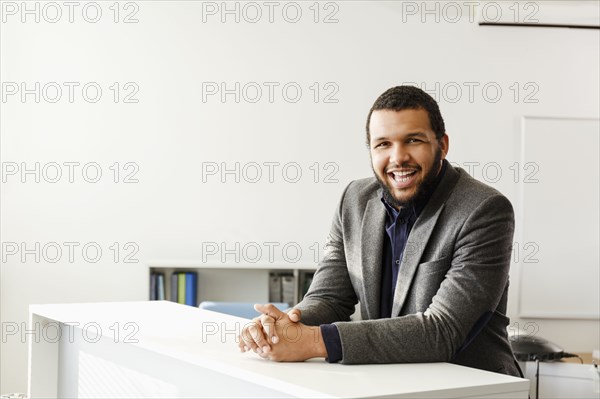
column 170, row 132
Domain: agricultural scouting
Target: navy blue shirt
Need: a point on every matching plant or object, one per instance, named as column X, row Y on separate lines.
column 398, row 225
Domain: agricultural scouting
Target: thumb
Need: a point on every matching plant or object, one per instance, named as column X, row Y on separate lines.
column 295, row 315
column 270, row 310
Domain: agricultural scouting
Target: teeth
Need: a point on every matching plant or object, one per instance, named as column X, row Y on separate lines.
column 403, row 173
column 402, row 176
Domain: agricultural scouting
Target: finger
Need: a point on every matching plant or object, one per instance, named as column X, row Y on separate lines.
column 295, row 315
column 269, row 326
column 250, row 345
column 245, row 337
column 243, row 346
column 245, row 349
column 249, row 334
column 258, row 339
column 270, row 310
column 241, row 343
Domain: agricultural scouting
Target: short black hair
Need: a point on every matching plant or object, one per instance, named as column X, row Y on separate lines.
column 409, row 97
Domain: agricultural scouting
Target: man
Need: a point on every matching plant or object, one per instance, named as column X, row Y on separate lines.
column 423, row 247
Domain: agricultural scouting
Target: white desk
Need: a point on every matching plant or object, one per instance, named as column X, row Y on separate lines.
column 180, row 351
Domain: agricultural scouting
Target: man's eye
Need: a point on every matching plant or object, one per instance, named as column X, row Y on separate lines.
column 414, row 141
column 383, row 144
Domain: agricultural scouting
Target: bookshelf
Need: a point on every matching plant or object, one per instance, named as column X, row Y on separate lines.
column 234, row 282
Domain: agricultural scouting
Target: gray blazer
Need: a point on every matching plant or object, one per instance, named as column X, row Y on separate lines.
column 453, row 277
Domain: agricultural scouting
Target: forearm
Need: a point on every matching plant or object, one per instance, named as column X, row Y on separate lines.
column 317, row 310
column 414, row 338
column 331, row 296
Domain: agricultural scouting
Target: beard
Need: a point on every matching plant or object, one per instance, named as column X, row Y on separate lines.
column 423, row 189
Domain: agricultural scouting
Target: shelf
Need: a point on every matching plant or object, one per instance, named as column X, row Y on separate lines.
column 235, row 282
column 195, row 264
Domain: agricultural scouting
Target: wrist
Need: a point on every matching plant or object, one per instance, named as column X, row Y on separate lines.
column 319, row 349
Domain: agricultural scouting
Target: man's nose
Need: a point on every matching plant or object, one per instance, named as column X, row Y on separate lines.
column 399, row 154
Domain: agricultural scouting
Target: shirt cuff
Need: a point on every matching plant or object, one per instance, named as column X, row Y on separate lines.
column 333, row 343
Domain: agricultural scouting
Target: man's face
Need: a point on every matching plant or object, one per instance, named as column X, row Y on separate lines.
column 405, row 154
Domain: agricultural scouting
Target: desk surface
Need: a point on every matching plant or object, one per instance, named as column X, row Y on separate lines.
column 208, row 339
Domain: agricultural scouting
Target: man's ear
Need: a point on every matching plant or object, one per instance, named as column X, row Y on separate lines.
column 444, row 145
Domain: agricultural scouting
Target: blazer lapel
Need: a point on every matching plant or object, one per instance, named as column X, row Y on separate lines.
column 419, row 236
column 372, row 230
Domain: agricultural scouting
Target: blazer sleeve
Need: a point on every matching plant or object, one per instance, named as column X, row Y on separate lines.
column 472, row 287
column 331, row 296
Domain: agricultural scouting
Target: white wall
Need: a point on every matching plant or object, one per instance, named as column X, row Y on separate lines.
column 170, row 132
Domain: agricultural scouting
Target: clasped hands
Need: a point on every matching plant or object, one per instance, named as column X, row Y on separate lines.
column 280, row 336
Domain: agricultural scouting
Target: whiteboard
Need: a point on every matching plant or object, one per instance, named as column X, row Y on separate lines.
column 559, row 187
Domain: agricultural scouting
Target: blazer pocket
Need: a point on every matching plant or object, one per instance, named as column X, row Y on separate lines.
column 427, row 282
column 435, row 266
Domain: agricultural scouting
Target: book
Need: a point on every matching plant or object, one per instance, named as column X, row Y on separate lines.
column 181, row 288
column 174, row 285
column 160, row 286
column 153, row 286
column 274, row 287
column 288, row 289
column 191, row 288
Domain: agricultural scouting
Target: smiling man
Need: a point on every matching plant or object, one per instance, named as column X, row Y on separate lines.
column 422, row 246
